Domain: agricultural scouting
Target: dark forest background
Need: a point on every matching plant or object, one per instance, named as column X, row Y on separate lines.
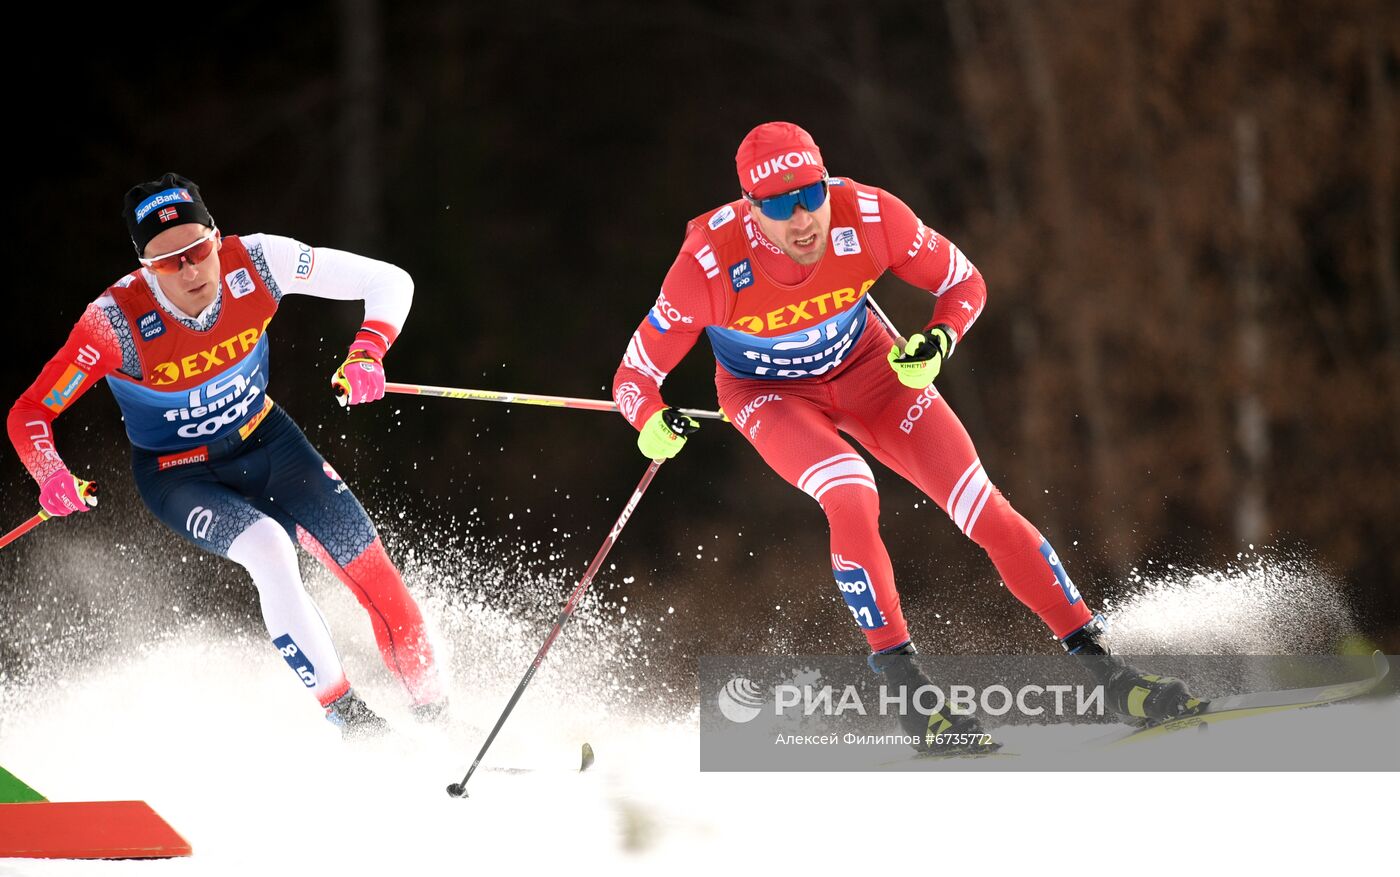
column 1186, row 214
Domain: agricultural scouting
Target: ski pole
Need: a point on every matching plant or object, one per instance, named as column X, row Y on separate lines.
column 526, row 399
column 86, row 489
column 23, row 528
column 889, row 326
column 459, row 790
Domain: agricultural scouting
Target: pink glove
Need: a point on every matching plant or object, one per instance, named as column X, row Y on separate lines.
column 60, row 495
column 360, row 378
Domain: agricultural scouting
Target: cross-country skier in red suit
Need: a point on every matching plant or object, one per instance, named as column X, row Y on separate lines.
column 778, row 280
column 182, row 343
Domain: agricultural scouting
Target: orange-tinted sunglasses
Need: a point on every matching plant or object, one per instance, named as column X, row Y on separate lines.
column 193, row 254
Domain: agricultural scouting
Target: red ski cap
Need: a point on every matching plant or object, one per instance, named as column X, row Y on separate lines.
column 777, row 157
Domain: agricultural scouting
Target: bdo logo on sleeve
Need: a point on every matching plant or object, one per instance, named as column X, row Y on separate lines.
column 306, row 262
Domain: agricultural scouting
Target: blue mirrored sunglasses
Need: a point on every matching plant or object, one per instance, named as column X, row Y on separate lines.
column 780, row 207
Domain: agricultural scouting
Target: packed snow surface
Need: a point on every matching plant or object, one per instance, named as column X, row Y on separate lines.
column 199, row 717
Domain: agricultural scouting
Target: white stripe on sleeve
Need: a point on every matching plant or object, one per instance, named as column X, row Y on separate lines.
column 959, row 269
column 638, row 359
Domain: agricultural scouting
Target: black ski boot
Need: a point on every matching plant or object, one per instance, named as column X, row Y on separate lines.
column 355, row 719
column 1141, row 698
column 938, row 734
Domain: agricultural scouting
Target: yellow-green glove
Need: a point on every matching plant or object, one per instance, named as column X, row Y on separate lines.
column 922, row 357
column 665, row 433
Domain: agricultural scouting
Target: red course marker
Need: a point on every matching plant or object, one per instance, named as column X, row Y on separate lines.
column 87, row 830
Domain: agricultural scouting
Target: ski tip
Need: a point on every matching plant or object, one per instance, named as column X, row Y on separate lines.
column 587, row 759
column 1381, row 662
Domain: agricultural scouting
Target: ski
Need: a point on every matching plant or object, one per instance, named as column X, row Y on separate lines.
column 1256, row 703
column 949, row 756
column 908, row 762
column 586, row 759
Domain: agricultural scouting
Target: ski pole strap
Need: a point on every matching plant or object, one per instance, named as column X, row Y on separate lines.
column 527, row 399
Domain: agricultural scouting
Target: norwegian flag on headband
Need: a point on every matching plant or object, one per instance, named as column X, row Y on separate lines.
column 167, row 214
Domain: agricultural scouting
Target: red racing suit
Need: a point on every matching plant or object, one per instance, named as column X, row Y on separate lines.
column 799, row 361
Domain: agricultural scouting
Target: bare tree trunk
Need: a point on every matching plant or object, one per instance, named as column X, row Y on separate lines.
column 360, row 76
column 1382, row 107
column 1077, row 334
column 1008, row 214
column 1251, row 420
column 1184, row 310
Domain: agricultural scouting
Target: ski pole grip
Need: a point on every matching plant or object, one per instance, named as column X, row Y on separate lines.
column 88, row 491
column 342, row 390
